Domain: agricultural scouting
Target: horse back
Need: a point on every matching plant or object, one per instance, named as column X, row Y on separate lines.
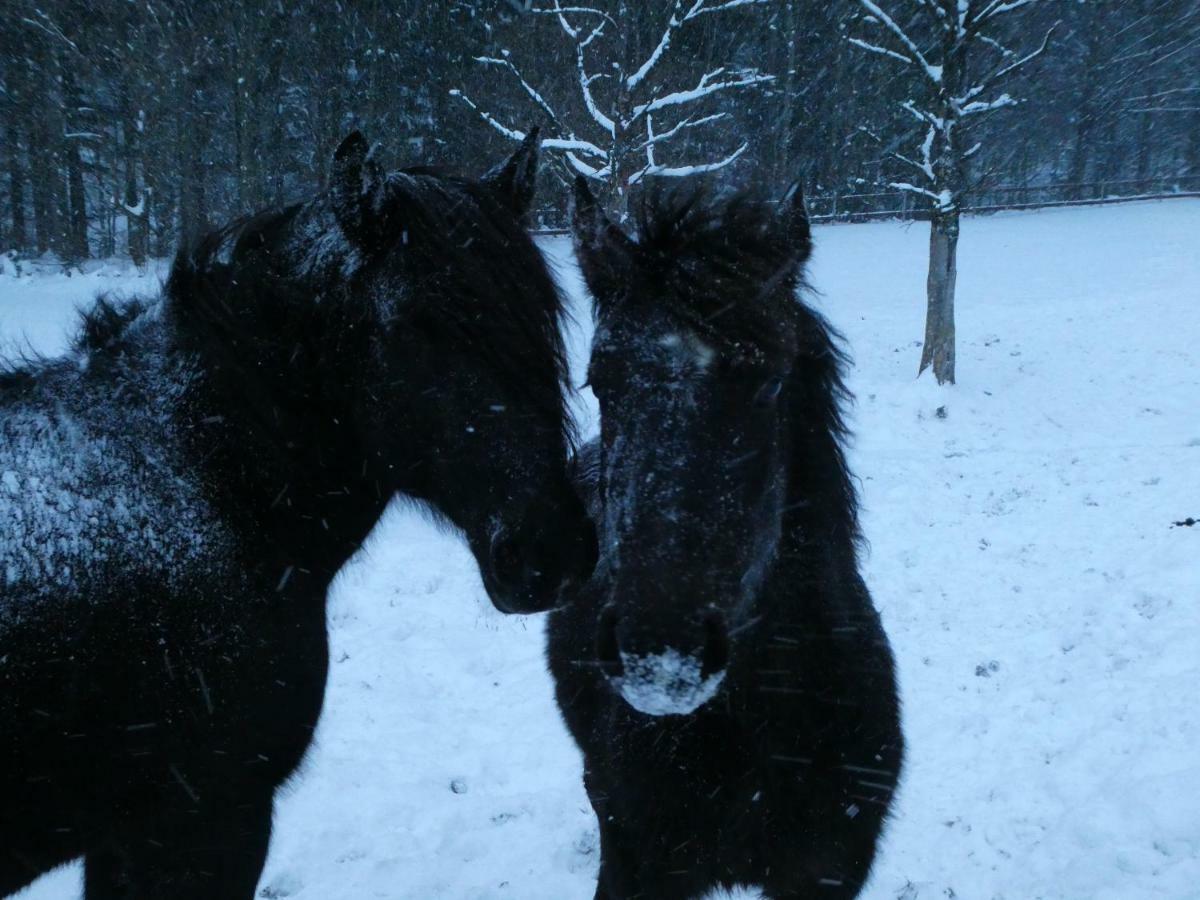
column 143, row 660
column 94, row 490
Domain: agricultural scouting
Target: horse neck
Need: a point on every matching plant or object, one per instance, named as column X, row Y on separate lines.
column 286, row 471
column 819, row 534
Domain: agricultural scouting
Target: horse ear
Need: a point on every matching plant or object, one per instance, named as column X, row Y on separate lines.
column 792, row 219
column 515, row 180
column 604, row 250
column 356, row 184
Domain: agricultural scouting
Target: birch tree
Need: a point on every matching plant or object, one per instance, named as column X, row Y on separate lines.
column 953, row 54
column 633, row 120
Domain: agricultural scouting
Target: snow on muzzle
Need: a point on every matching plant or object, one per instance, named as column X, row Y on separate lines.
column 657, row 678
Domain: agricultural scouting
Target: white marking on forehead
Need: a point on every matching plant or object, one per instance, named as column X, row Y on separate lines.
column 687, row 346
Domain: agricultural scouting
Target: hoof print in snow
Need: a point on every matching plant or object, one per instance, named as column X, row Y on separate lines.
column 458, row 786
column 941, row 412
column 283, row 886
column 985, row 670
column 586, row 847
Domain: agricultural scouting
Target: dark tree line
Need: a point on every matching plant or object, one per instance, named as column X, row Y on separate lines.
column 127, row 126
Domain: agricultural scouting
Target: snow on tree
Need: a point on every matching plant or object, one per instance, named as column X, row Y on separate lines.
column 631, row 113
column 956, row 78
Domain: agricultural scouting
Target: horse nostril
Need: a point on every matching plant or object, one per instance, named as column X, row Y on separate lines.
column 608, row 649
column 716, row 645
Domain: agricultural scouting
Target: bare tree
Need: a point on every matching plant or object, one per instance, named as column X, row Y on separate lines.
column 957, row 77
column 630, row 114
column 146, row 121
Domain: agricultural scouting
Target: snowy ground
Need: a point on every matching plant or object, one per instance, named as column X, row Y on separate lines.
column 1043, row 608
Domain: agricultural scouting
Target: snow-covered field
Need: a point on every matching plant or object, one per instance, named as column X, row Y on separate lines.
column 1045, row 612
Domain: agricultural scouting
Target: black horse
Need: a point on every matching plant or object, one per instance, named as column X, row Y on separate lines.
column 724, row 672
column 177, row 495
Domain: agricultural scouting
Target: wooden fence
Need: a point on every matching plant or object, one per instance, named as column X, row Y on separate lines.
column 906, row 206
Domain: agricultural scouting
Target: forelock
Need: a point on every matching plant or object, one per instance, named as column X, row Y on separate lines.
column 721, row 265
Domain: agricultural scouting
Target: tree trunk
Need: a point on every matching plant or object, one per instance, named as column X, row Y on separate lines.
column 16, row 187
column 45, row 142
column 193, row 198
column 622, row 165
column 238, row 89
column 42, row 177
column 1080, row 152
column 1193, row 158
column 788, row 123
column 106, row 245
column 273, row 184
column 938, row 351
column 1086, row 110
column 77, row 222
column 135, row 225
column 1145, row 143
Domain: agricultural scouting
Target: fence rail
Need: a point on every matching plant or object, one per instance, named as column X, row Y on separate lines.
column 857, row 207
column 906, row 206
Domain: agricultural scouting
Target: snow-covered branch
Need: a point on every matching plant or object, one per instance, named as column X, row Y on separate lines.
column 703, row 88
column 674, row 23
column 933, row 73
column 505, row 62
column 655, row 171
column 925, row 164
column 882, row 51
column 585, row 170
column 664, row 42
column 570, row 143
column 991, row 11
column 682, row 126
column 137, row 210
column 511, row 133
column 616, row 101
column 995, row 45
column 921, row 115
column 729, row 4
column 914, row 189
column 559, row 10
column 967, row 98
column 977, row 107
column 585, row 88
column 574, row 145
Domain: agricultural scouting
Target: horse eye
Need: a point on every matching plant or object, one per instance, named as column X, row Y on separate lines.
column 769, row 392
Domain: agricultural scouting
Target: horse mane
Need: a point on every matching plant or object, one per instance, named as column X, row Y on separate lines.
column 723, row 267
column 106, row 324
column 499, row 277
column 102, row 327
column 498, row 295
column 718, row 263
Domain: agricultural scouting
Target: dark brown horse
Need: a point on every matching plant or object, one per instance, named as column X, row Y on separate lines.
column 177, row 495
column 724, row 672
